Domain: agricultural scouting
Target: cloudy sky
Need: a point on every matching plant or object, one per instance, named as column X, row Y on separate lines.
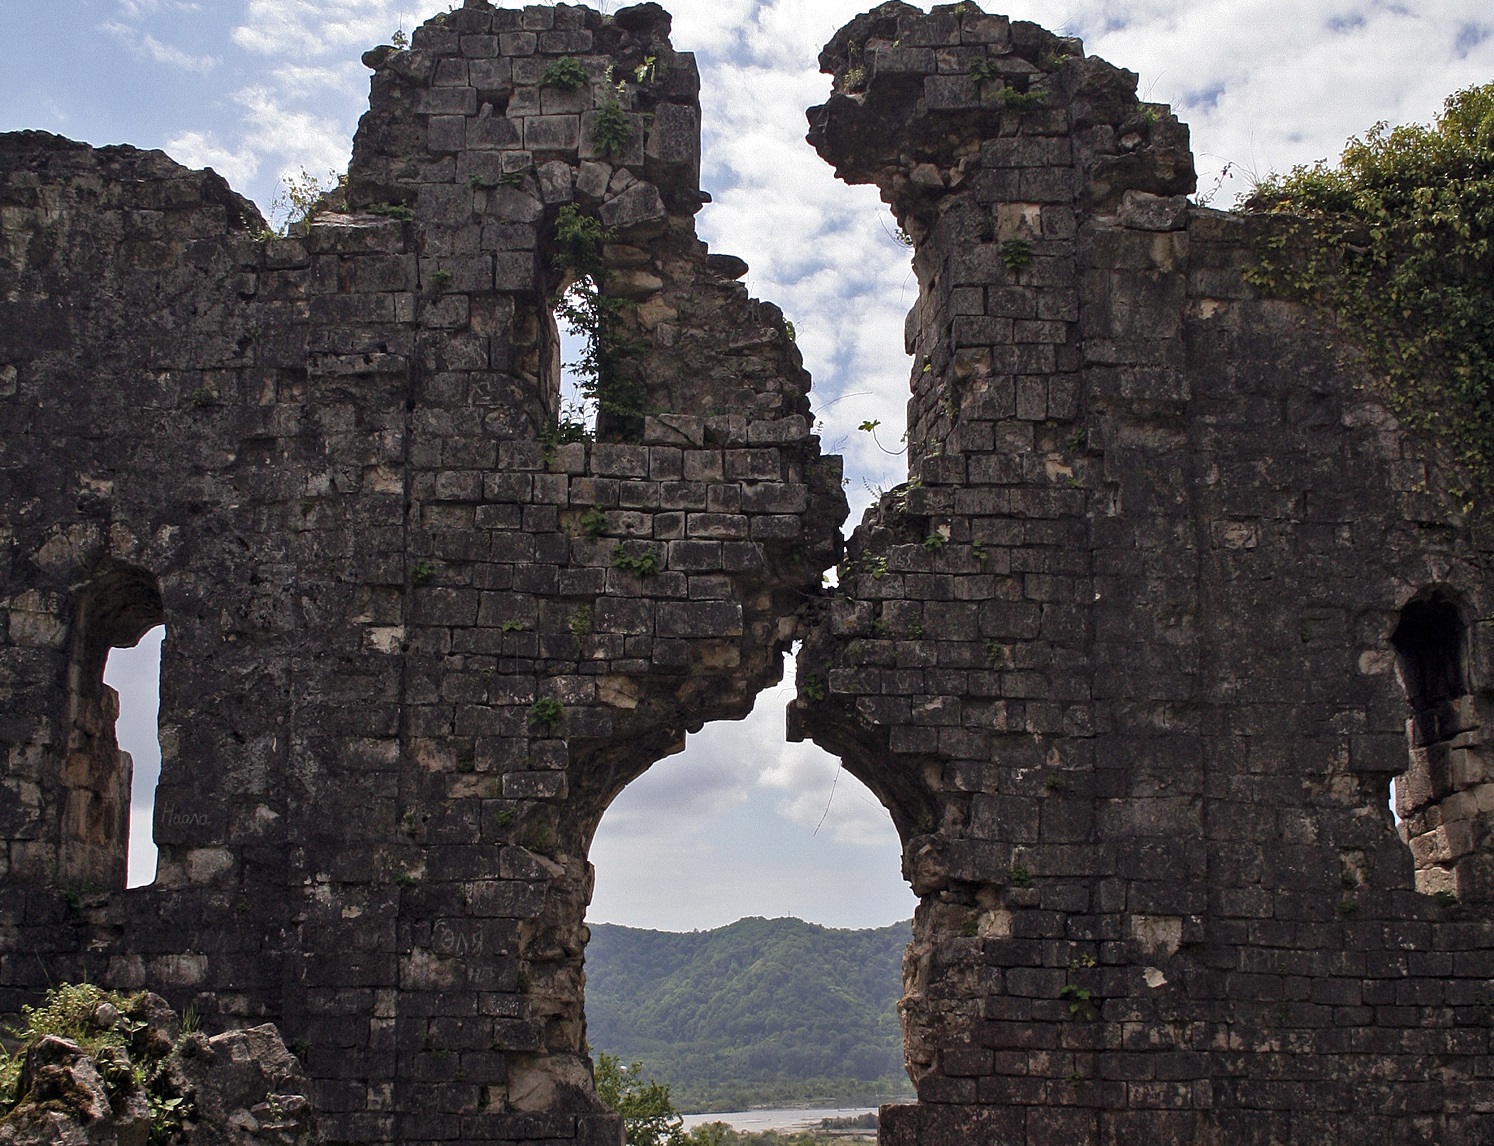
column 261, row 89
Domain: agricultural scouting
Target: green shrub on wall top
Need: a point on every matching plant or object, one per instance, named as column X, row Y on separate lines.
column 1394, row 243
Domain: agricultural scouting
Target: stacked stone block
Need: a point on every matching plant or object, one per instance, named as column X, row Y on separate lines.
column 415, row 644
column 1126, row 659
column 1120, row 651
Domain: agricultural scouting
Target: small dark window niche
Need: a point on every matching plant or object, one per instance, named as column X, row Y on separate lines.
column 1448, row 776
column 1431, row 642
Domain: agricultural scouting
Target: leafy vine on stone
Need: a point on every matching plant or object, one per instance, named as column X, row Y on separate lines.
column 598, row 320
column 1394, row 244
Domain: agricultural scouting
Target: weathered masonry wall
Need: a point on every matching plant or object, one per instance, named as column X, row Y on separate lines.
column 1131, row 660
column 1134, row 631
column 412, row 651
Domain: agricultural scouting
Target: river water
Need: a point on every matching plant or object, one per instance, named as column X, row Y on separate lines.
column 777, row 1119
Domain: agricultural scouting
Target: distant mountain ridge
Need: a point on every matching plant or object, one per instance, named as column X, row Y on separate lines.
column 763, row 1011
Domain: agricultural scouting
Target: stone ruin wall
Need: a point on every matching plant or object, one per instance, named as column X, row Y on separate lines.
column 1121, row 659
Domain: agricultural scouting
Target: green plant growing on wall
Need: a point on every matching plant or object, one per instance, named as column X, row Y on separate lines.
column 562, row 432
column 511, row 627
column 581, row 622
column 441, row 282
column 1081, row 1001
column 1015, row 254
column 1395, row 244
column 1018, row 875
column 611, row 131
column 546, row 712
column 400, row 212
column 567, row 73
column 984, row 69
column 644, row 564
column 813, row 689
column 579, row 239
column 1022, row 102
column 128, row 1060
column 421, row 573
column 594, row 522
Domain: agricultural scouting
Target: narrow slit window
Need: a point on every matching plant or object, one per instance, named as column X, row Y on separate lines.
column 578, row 403
column 135, row 676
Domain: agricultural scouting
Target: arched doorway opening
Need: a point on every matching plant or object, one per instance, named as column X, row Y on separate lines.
column 748, row 923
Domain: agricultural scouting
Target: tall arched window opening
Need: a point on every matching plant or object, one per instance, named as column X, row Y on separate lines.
column 135, row 675
column 115, row 609
column 599, row 394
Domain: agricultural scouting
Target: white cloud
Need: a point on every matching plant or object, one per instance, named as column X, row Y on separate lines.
column 814, row 791
column 306, row 28
column 203, row 149
column 146, row 44
column 348, row 79
column 275, row 125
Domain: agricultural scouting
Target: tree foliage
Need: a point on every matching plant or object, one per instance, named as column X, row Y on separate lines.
column 301, row 198
column 763, row 1012
column 1395, row 243
column 649, row 1118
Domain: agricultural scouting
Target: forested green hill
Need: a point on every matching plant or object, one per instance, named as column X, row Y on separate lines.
column 762, row 1012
